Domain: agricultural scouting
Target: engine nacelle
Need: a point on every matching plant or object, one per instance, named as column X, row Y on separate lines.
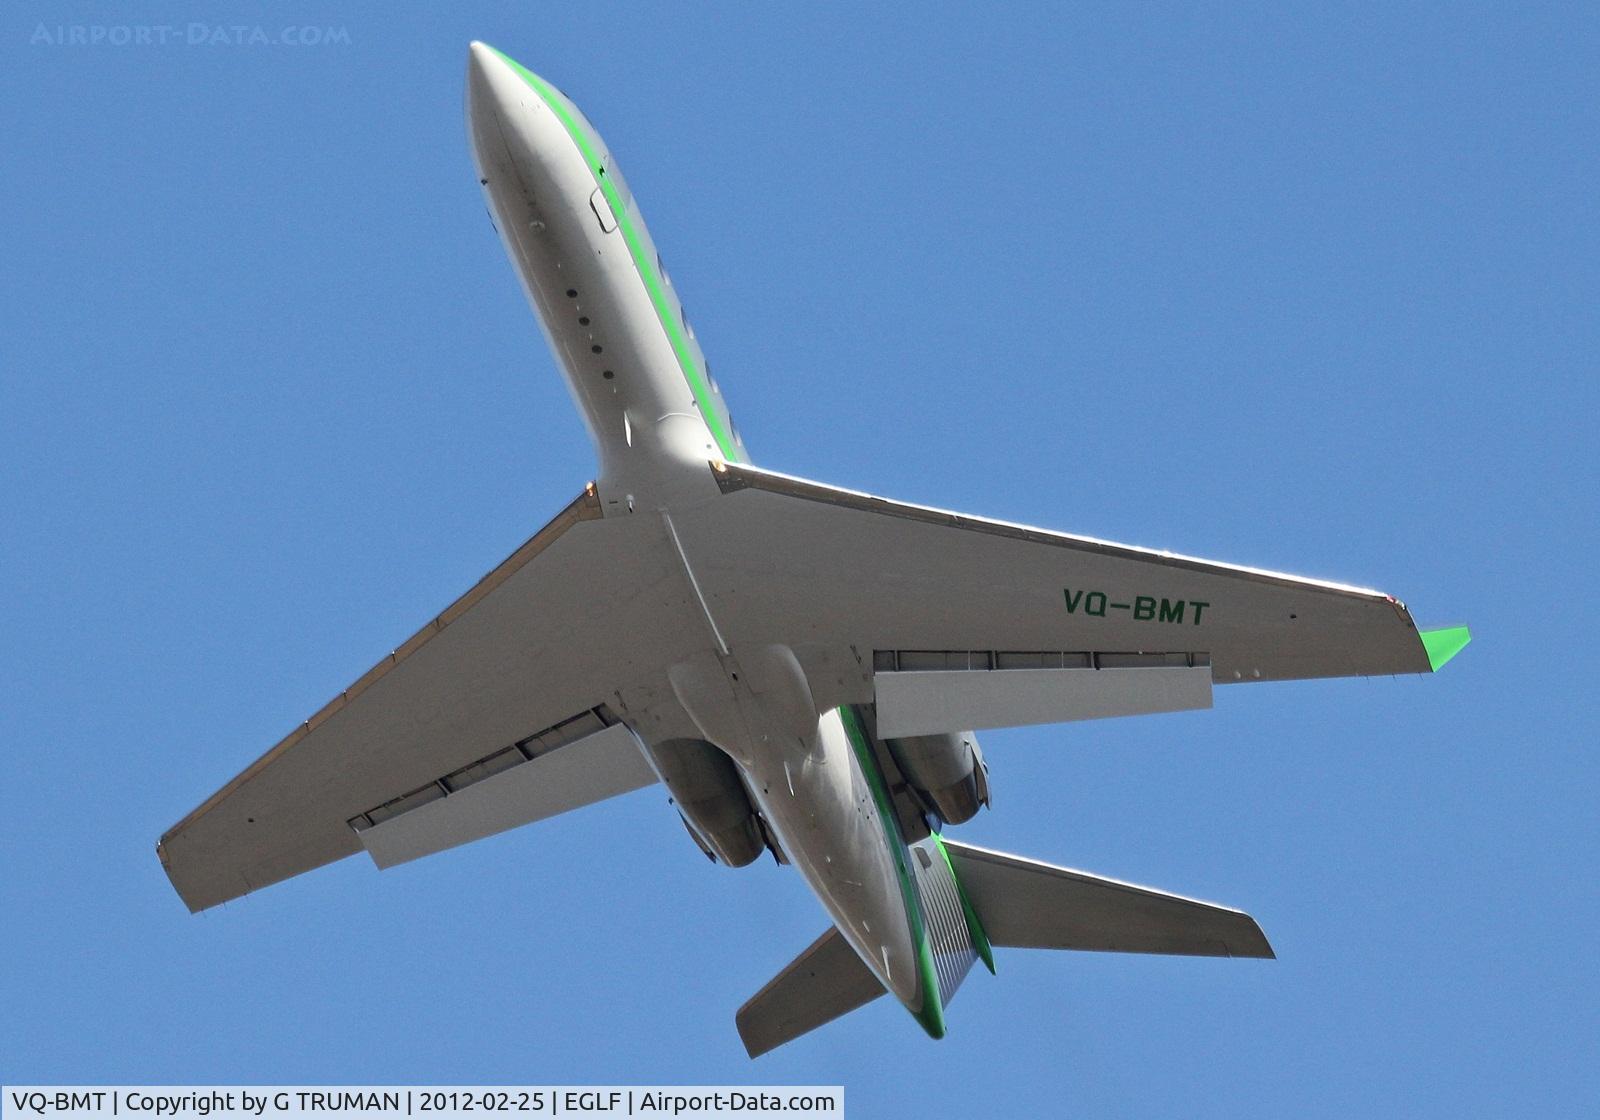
column 711, row 799
column 947, row 770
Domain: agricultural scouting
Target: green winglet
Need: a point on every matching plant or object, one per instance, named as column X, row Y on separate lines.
column 1443, row 644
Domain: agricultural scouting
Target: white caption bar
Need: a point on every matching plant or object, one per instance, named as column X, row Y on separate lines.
column 430, row 1102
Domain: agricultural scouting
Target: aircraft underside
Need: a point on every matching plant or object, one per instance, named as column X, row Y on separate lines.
column 801, row 667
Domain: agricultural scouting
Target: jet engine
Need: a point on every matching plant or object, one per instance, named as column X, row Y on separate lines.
column 705, row 785
column 947, row 771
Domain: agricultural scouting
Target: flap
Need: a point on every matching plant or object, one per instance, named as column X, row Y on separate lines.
column 928, row 703
column 522, row 788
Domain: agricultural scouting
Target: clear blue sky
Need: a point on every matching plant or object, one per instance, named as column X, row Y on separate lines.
column 1312, row 291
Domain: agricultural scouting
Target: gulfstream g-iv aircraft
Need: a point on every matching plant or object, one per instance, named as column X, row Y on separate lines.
column 802, row 667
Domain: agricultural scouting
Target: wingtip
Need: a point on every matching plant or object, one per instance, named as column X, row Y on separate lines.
column 1252, row 944
column 752, row 1050
column 1443, row 644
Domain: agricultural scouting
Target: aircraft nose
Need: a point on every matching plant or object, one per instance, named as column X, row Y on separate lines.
column 495, row 93
column 488, row 79
column 482, row 59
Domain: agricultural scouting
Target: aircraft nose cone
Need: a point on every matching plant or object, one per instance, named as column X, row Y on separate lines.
column 487, row 76
column 494, row 96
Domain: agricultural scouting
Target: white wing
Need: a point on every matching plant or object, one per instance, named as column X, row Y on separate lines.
column 782, row 559
column 522, row 671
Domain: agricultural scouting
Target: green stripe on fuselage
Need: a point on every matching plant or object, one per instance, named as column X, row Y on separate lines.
column 931, row 1013
column 975, row 930
column 699, row 383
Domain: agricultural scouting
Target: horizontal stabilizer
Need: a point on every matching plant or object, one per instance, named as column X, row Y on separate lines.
column 1026, row 904
column 824, row 982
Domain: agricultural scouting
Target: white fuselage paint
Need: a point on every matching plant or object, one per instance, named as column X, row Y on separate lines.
column 589, row 289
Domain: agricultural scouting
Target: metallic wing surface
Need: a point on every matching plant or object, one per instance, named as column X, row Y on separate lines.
column 524, row 662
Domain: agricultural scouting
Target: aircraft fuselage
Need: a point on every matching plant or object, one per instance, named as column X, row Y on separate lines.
column 616, row 327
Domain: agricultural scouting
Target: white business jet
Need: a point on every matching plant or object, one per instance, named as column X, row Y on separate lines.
column 800, row 666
